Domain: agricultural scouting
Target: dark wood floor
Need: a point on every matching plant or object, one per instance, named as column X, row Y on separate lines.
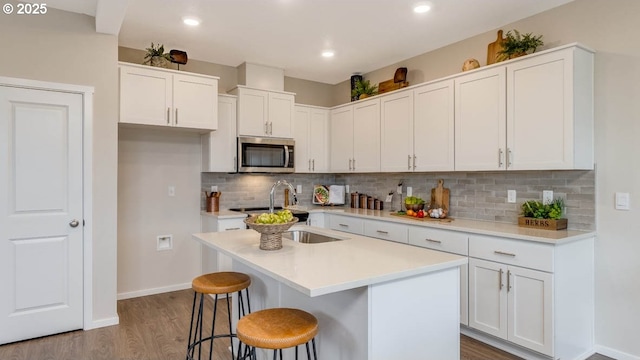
column 156, row 328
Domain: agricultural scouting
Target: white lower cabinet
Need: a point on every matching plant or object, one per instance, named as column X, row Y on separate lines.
column 512, row 303
column 346, row 223
column 213, row 261
column 317, row 219
column 386, row 231
column 535, row 295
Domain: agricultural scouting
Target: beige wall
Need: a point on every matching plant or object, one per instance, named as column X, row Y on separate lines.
column 63, row 47
column 149, row 161
column 309, row 92
column 611, row 27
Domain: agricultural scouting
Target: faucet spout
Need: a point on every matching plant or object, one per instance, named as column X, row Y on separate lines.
column 273, row 189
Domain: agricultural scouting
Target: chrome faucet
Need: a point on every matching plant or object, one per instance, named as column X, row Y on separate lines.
column 273, row 189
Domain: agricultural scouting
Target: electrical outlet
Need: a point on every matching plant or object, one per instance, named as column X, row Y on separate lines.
column 511, row 196
column 547, row 196
column 299, row 189
column 171, row 191
column 346, row 189
column 214, row 188
column 164, row 242
column 623, row 201
column 399, row 189
column 409, row 191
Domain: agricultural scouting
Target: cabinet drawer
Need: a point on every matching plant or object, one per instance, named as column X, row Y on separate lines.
column 386, row 231
column 347, row 224
column 443, row 240
column 514, row 252
column 231, row 224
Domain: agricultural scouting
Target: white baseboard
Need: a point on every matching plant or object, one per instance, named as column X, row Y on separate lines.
column 102, row 323
column 616, row 354
column 154, row 291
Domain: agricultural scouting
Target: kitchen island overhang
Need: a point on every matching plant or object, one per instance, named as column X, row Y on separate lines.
column 374, row 299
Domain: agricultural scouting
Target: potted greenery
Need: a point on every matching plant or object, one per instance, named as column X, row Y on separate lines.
column 156, row 56
column 363, row 89
column 516, row 44
column 543, row 216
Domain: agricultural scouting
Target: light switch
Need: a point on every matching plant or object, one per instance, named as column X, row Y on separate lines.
column 409, row 191
column 171, row 191
column 547, row 196
column 511, row 196
column 299, row 189
column 623, row 201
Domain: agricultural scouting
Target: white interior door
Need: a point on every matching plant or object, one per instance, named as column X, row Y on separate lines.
column 41, row 241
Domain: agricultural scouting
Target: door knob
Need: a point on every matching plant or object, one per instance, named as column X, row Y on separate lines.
column 74, row 223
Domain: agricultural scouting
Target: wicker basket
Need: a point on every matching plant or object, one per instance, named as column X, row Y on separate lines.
column 270, row 234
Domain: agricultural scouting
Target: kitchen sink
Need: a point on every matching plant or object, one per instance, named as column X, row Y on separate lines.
column 307, row 237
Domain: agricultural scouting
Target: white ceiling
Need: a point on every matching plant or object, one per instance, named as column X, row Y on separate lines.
column 291, row 34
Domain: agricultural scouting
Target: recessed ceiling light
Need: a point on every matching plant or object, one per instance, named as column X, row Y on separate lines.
column 421, row 9
column 191, row 21
column 328, row 53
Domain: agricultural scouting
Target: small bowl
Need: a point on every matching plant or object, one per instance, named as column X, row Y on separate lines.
column 414, row 207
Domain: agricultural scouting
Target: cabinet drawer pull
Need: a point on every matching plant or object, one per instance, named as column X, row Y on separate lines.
column 344, row 225
column 434, row 241
column 504, row 253
column 236, row 228
column 500, row 278
column 508, row 280
column 382, row 231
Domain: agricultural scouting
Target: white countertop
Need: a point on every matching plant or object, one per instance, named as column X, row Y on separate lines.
column 490, row 228
column 224, row 214
column 318, row 269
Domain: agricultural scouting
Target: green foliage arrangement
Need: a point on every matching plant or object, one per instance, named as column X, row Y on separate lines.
column 364, row 87
column 516, row 44
column 536, row 209
column 154, row 52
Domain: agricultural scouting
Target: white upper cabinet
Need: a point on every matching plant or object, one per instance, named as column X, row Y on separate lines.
column 151, row 96
column 341, row 140
column 219, row 147
column 550, row 111
column 433, row 129
column 480, row 120
column 311, row 128
column 264, row 113
column 533, row 113
column 397, row 134
column 366, row 136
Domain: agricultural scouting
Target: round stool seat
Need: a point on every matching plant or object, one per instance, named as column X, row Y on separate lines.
column 278, row 328
column 220, row 283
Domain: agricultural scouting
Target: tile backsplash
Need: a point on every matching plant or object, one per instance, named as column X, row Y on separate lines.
column 474, row 195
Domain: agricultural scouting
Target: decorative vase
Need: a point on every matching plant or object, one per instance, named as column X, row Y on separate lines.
column 363, row 96
column 158, row 61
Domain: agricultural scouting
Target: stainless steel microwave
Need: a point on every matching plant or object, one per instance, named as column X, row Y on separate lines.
column 265, row 155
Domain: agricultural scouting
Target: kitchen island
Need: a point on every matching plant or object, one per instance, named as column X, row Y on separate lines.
column 374, row 299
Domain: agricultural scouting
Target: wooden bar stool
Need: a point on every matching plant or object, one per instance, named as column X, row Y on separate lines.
column 219, row 283
column 277, row 329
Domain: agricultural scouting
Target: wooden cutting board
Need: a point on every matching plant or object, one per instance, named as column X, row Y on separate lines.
column 494, row 48
column 440, row 196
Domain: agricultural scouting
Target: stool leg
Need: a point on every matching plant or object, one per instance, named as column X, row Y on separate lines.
column 213, row 325
column 193, row 313
column 230, row 328
column 199, row 325
column 296, row 352
column 313, row 342
column 308, row 353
